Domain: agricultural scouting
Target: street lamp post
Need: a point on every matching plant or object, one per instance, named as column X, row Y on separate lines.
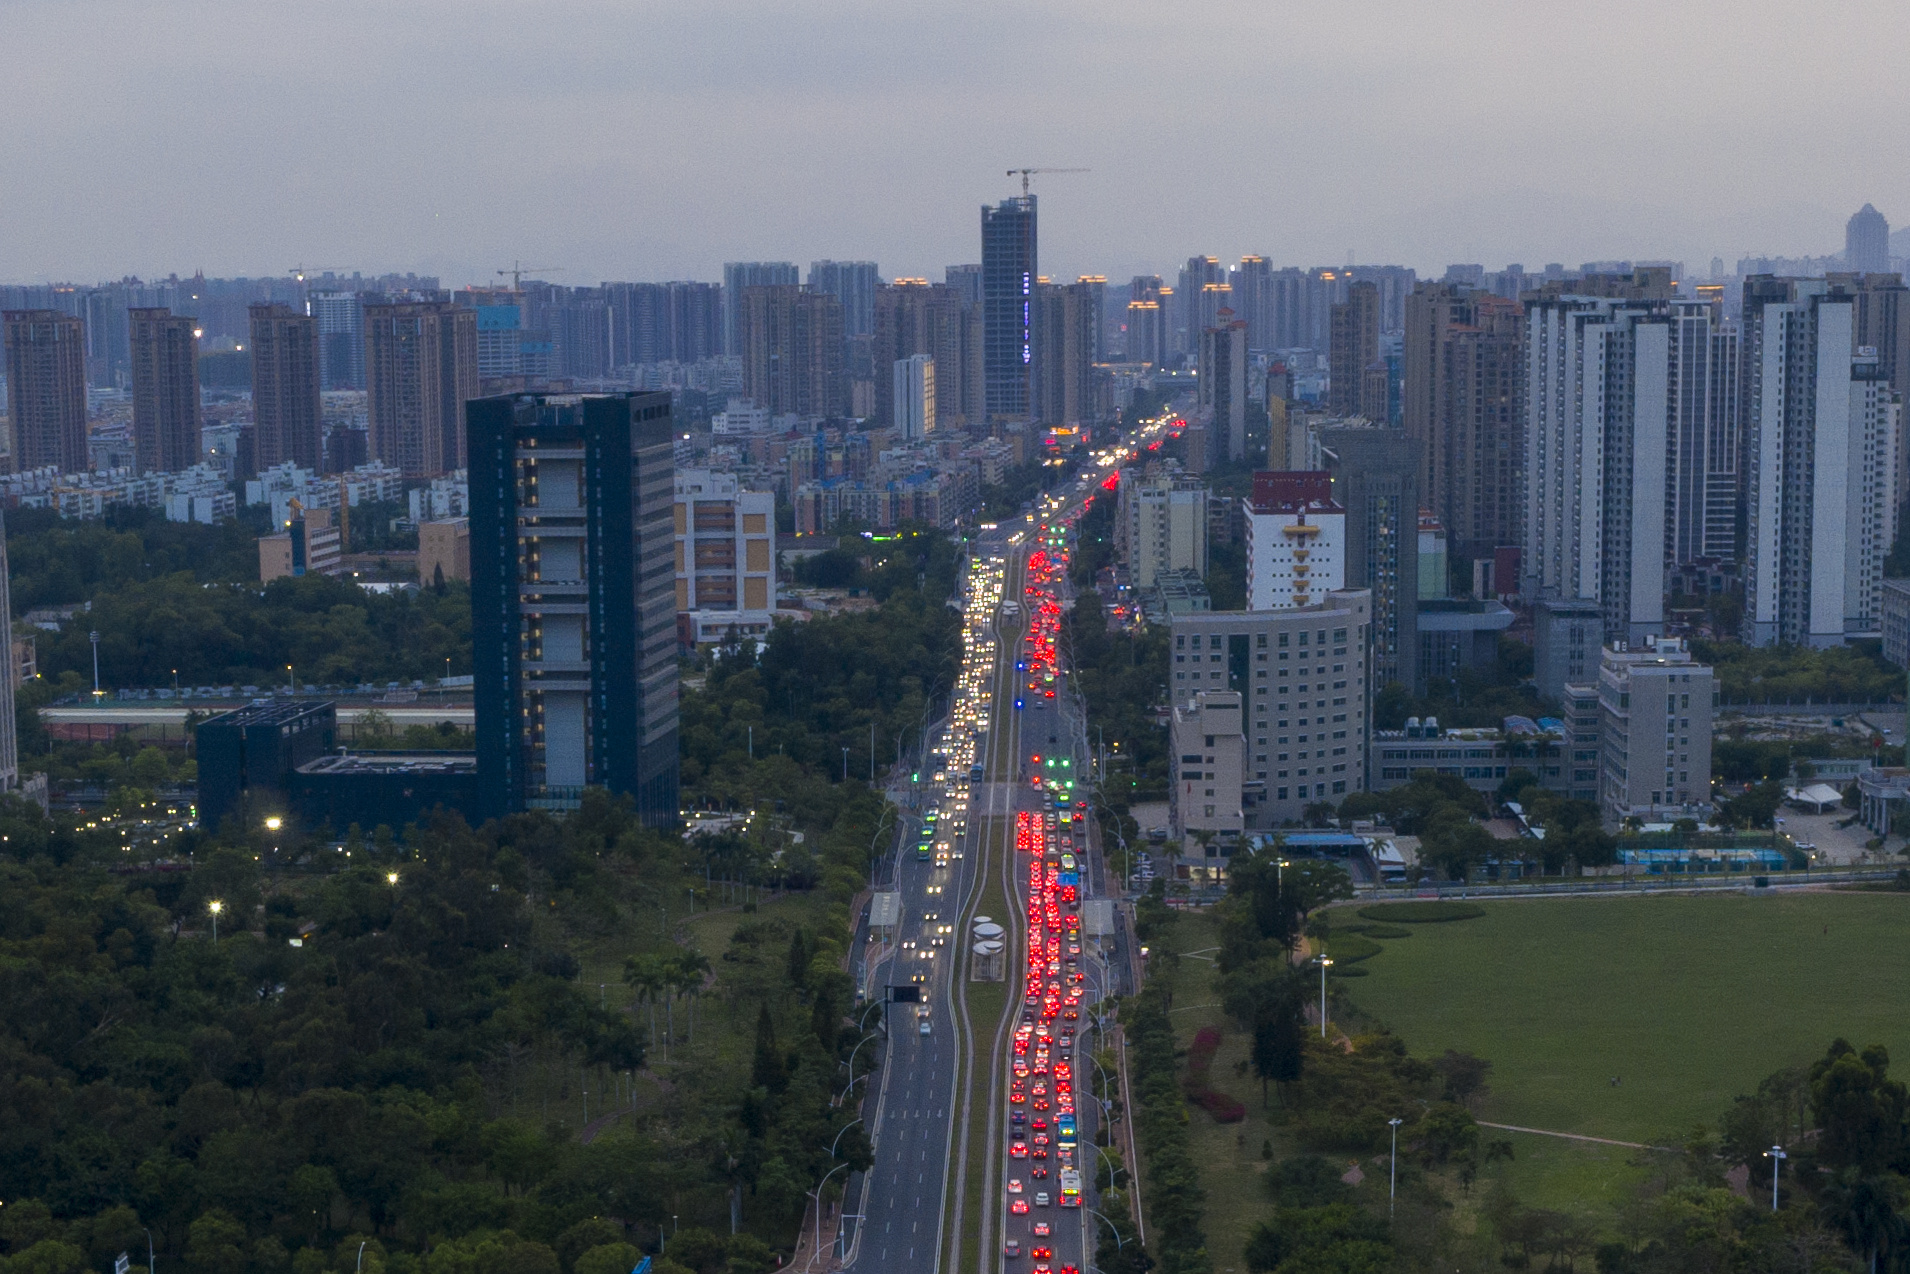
column 215, row 906
column 1325, row 963
column 1392, row 1164
column 1777, row 1157
column 94, row 638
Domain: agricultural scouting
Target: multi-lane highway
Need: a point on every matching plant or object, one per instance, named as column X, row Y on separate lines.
column 978, row 1141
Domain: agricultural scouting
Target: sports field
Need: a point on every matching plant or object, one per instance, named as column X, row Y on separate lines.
column 1685, row 1001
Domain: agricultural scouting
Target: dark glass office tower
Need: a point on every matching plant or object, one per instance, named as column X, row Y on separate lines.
column 1009, row 269
column 573, row 600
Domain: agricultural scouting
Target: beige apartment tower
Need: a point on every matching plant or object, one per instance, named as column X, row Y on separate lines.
column 421, row 367
column 46, row 389
column 285, row 408
column 165, row 354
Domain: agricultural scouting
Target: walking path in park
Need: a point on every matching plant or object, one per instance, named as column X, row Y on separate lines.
column 1575, row 1136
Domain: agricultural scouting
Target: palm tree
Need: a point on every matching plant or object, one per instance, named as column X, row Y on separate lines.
column 645, row 974
column 690, row 968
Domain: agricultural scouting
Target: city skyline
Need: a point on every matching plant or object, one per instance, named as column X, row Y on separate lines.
column 872, row 134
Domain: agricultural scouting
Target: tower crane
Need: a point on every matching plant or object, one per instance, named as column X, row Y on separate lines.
column 518, row 270
column 1028, row 172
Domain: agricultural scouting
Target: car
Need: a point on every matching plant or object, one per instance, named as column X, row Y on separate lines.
column 1041, row 1199
column 1011, row 1248
column 922, row 1028
column 1018, row 1207
column 1042, row 1229
column 1019, row 1150
column 1038, row 1171
column 1014, row 1185
column 1018, row 1117
column 1041, row 1253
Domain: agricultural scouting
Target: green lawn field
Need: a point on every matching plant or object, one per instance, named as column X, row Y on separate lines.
column 1687, row 1001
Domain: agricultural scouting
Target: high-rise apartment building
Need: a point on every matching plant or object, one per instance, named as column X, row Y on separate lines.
column 421, row 364
column 1296, row 540
column 1146, row 333
column 914, row 317
column 1352, row 347
column 1222, row 386
column 1463, row 359
column 1252, row 282
column 46, row 389
column 1191, row 301
column 680, row 322
column 1376, row 480
column 573, row 600
column 1066, row 325
column 738, row 277
column 165, row 359
column 1867, row 242
column 341, row 338
column 1655, row 708
column 1302, row 674
column 285, row 403
column 1823, row 434
column 725, row 554
column 9, row 736
column 912, row 390
column 854, row 284
column 794, row 356
column 1010, row 265
column 1620, row 396
column 1162, row 526
column 966, row 280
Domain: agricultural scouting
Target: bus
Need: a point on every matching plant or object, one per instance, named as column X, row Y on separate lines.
column 922, row 851
column 1064, row 1131
column 1070, row 1187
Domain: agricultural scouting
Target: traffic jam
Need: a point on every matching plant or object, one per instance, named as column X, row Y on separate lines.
column 1043, row 1170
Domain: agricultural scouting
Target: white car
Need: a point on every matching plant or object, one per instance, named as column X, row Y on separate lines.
column 1041, row 1200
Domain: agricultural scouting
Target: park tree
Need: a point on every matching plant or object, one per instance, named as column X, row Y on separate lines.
column 1858, row 1106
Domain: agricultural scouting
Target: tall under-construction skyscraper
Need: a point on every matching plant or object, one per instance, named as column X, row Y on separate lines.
column 1009, row 270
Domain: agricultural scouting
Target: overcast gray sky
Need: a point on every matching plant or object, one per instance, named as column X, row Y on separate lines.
column 657, row 140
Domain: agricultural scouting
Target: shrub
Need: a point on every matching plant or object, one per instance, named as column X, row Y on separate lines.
column 1351, row 948
column 1429, row 912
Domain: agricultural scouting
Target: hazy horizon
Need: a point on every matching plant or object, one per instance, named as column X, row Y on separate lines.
column 657, row 141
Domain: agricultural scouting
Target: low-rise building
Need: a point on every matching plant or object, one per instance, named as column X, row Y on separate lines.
column 1457, row 634
column 1567, row 633
column 1482, row 756
column 444, row 550
column 1207, row 764
column 309, row 545
column 1883, row 799
column 725, row 547
column 1656, row 705
column 1895, row 606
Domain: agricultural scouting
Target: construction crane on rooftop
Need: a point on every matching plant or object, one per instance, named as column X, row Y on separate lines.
column 518, row 270
column 1028, row 172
